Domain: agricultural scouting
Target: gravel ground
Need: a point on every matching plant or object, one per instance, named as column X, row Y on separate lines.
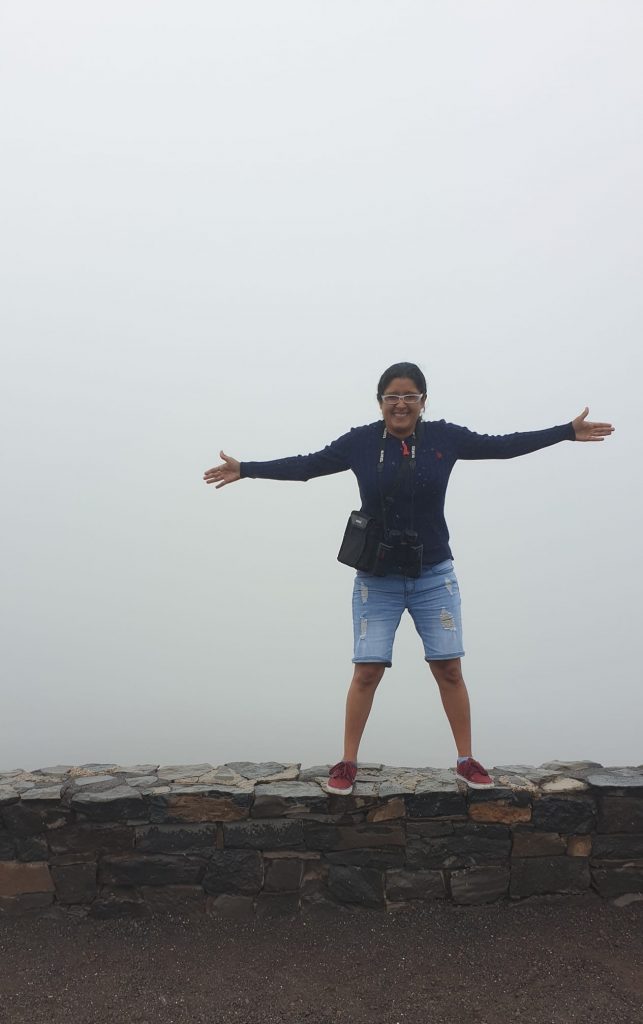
column 533, row 962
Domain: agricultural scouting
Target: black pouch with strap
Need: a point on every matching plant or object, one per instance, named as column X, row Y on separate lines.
column 362, row 538
column 364, row 545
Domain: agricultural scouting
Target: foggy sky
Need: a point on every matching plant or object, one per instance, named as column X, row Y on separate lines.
column 220, row 223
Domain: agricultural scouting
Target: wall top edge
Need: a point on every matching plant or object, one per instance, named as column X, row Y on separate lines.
column 245, row 781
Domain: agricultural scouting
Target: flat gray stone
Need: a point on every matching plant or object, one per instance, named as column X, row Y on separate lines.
column 564, row 784
column 212, row 790
column 398, row 787
column 57, row 769
column 95, row 782
column 8, row 795
column 144, row 782
column 81, row 770
column 317, row 772
column 52, row 793
column 436, row 785
column 22, row 787
column 271, row 770
column 616, row 778
column 136, row 769
column 222, row 777
column 8, row 773
column 514, row 783
column 568, row 767
column 106, row 796
column 365, row 789
column 289, row 790
column 183, row 772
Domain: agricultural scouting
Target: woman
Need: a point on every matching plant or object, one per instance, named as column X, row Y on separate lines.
column 402, row 467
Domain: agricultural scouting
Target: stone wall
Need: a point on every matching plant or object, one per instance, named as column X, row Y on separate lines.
column 242, row 838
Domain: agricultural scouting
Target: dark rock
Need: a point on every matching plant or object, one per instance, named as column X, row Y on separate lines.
column 415, row 885
column 199, row 807
column 479, row 884
column 614, row 847
column 31, row 902
column 30, row 819
column 533, row 876
column 480, row 830
column 277, row 905
column 364, row 886
column 93, row 839
column 537, row 844
column 32, row 848
column 283, row 874
column 429, row 829
column 320, row 836
column 236, row 908
column 132, row 869
column 176, row 838
column 75, row 883
column 118, row 903
column 7, row 846
column 179, row 900
column 564, row 814
column 17, row 878
column 620, row 814
column 119, row 804
column 234, row 871
column 502, row 794
column 271, row 834
column 618, row 879
column 288, row 798
column 314, row 884
column 457, row 851
column 8, row 795
column 380, row 859
column 447, row 804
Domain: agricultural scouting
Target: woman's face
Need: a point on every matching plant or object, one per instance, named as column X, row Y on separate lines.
column 401, row 416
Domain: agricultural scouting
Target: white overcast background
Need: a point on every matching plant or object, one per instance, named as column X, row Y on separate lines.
column 220, row 223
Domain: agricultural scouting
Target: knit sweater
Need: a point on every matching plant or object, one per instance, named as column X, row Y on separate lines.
column 439, row 446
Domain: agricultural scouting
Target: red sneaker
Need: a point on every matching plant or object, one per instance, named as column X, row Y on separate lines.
column 473, row 774
column 341, row 778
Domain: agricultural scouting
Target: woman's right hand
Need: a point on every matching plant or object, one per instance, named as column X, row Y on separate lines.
column 226, row 473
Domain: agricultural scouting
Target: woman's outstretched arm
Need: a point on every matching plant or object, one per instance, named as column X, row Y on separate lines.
column 334, row 458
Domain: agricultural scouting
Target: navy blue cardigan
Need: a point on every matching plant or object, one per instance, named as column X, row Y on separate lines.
column 439, row 445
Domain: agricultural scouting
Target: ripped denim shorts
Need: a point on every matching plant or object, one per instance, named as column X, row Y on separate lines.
column 433, row 601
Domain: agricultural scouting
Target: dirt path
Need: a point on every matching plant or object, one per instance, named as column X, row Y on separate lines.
column 537, row 963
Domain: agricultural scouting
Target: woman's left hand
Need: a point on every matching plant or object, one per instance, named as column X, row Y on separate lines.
column 586, row 431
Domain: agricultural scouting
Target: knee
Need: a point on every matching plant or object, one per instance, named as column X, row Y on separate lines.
column 368, row 674
column 447, row 673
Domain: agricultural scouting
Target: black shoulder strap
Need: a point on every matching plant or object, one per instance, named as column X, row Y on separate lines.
column 407, row 464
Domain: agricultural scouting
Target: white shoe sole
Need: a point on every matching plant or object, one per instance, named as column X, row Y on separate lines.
column 338, row 792
column 476, row 785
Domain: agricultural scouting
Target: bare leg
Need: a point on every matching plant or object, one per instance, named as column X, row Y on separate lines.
column 455, row 700
column 359, row 701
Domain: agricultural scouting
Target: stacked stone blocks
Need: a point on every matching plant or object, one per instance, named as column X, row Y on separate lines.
column 244, row 839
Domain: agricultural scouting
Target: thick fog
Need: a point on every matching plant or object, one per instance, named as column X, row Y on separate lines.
column 220, row 223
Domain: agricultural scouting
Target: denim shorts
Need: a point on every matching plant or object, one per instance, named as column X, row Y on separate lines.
column 433, row 601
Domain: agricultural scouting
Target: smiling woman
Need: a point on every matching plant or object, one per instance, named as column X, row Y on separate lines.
column 403, row 465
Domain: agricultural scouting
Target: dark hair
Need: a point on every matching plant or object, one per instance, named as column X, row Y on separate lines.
column 409, row 370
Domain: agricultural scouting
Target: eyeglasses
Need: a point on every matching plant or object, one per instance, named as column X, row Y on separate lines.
column 394, row 399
